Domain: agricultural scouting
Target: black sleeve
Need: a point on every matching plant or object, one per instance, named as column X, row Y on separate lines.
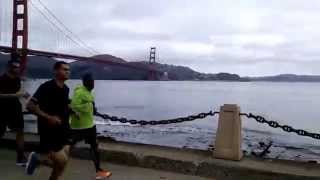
column 1, row 85
column 39, row 94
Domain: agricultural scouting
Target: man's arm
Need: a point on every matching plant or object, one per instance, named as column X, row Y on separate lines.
column 80, row 104
column 95, row 110
column 2, row 96
column 16, row 95
column 34, row 108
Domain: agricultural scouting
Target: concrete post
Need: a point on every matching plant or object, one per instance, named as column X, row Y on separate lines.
column 228, row 138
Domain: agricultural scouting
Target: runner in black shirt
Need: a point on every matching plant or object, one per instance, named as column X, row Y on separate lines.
column 11, row 110
column 53, row 100
column 51, row 104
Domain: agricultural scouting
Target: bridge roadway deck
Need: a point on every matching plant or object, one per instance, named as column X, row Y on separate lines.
column 190, row 162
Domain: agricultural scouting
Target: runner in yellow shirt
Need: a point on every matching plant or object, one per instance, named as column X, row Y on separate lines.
column 82, row 121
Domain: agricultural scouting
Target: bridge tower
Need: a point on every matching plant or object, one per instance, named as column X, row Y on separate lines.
column 20, row 31
column 152, row 62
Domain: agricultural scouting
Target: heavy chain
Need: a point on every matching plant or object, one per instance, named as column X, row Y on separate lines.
column 285, row 128
column 161, row 122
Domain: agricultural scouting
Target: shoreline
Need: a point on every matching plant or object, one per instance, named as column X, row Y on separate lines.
column 226, row 81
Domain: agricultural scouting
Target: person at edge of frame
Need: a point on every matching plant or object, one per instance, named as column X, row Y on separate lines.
column 11, row 108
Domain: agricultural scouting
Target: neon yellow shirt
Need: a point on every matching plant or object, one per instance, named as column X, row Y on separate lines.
column 82, row 105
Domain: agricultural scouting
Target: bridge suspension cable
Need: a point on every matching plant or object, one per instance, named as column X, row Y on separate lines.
column 66, row 28
column 60, row 29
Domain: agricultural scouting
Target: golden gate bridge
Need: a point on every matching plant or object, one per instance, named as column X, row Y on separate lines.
column 15, row 15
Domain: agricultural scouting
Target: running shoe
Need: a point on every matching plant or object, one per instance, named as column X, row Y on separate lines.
column 32, row 164
column 102, row 174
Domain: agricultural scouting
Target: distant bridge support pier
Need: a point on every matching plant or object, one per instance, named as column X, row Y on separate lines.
column 229, row 137
column 20, row 31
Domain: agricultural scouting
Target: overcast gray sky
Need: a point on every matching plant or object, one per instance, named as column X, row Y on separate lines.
column 248, row 37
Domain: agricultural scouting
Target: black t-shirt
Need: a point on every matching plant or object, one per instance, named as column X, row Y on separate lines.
column 9, row 85
column 54, row 101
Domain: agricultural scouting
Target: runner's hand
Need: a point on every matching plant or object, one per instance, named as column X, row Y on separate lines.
column 26, row 95
column 54, row 120
column 76, row 114
column 19, row 94
column 23, row 95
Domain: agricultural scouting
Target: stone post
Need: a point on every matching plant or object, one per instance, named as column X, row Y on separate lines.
column 228, row 138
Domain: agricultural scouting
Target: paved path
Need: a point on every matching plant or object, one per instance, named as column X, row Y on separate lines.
column 83, row 170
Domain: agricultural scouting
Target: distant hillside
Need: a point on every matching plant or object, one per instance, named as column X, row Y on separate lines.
column 41, row 67
column 106, row 72
column 288, row 78
column 174, row 72
column 109, row 58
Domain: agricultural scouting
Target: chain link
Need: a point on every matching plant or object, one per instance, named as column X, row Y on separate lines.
column 285, row 128
column 161, row 122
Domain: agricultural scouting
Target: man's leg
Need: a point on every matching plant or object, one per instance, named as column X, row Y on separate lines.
column 3, row 121
column 35, row 160
column 56, row 160
column 95, row 155
column 3, row 128
column 59, row 160
column 100, row 173
column 92, row 140
column 16, row 124
column 20, row 146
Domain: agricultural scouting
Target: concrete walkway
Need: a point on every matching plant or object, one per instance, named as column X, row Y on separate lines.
column 83, row 170
column 184, row 161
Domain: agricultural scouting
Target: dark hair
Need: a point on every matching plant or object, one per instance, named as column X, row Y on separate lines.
column 58, row 64
column 87, row 77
